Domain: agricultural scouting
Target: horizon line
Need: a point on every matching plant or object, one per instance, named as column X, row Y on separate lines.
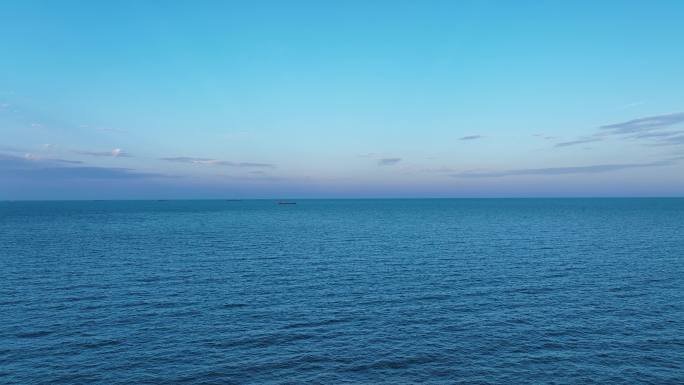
column 341, row 198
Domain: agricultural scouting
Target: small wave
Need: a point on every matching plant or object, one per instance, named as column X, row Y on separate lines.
column 99, row 344
column 17, row 302
column 313, row 324
column 85, row 298
column 401, row 363
column 433, row 297
column 33, row 334
column 262, row 341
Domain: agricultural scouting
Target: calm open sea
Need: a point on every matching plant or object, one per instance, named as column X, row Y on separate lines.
column 493, row 291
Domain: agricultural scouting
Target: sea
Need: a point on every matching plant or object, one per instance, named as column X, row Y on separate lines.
column 416, row 291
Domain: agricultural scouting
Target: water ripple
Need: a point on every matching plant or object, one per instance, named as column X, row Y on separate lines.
column 351, row 292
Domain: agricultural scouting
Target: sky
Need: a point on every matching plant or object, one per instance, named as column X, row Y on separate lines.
column 340, row 99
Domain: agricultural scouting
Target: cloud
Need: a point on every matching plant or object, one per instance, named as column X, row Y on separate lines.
column 368, row 155
column 12, row 161
column 388, row 161
column 470, row 137
column 253, row 178
column 12, row 149
column 648, row 123
column 576, row 142
column 545, row 137
column 671, row 141
column 116, row 153
column 216, row 162
column 661, row 134
column 81, row 173
column 381, row 161
column 594, row 169
column 32, row 157
column 187, row 159
column 32, row 167
column 30, row 160
column 640, row 128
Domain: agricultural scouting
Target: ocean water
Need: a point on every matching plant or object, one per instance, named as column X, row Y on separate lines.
column 509, row 291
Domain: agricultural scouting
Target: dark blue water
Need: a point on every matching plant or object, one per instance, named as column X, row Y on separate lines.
column 530, row 291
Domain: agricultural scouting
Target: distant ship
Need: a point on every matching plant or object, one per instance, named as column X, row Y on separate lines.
column 286, row 203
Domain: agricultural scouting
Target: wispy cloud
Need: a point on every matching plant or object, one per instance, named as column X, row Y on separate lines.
column 216, row 162
column 33, row 157
column 254, row 178
column 660, row 134
column 648, row 123
column 388, row 161
column 368, row 155
column 12, row 149
column 545, row 137
column 576, row 142
column 32, row 167
column 648, row 128
column 13, row 161
column 471, row 137
column 593, row 169
column 671, row 141
column 641, row 128
column 87, row 173
column 116, row 153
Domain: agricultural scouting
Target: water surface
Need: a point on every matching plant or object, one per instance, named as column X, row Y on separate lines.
column 528, row 291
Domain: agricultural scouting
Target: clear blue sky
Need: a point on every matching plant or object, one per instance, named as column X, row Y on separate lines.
column 201, row 99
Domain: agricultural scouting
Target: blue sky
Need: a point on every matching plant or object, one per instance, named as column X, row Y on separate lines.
column 152, row 99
